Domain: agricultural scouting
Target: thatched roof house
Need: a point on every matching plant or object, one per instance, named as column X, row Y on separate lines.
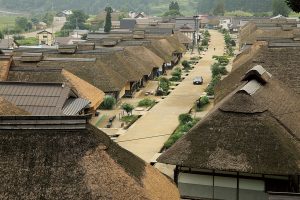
column 253, row 132
column 282, row 62
column 72, row 160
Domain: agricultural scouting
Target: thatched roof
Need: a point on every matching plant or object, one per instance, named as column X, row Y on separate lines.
column 255, row 129
column 283, row 63
column 183, row 39
column 75, row 164
column 5, row 62
column 9, row 109
column 84, row 89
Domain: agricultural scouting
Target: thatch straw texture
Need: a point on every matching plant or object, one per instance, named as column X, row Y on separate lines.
column 257, row 133
column 77, row 164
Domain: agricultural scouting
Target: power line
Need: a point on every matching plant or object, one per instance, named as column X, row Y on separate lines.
column 136, row 139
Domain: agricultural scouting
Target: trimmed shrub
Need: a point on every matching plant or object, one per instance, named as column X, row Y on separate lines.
column 128, row 108
column 108, row 103
column 185, row 118
column 146, row 102
column 186, row 64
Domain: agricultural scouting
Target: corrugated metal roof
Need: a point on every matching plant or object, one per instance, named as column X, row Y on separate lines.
column 36, row 98
column 74, row 105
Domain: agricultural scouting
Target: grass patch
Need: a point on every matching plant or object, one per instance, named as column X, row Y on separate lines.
column 31, row 41
column 146, row 103
column 129, row 118
column 182, row 129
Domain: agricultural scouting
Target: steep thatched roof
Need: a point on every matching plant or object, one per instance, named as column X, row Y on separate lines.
column 183, row 39
column 283, row 63
column 5, row 62
column 85, row 90
column 9, row 109
column 255, row 129
column 75, row 164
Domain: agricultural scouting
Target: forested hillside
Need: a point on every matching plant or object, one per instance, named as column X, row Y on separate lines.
column 149, row 6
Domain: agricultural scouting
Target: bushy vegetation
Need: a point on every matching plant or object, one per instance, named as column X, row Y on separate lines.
column 186, row 65
column 128, row 108
column 186, row 122
column 176, row 74
column 201, row 102
column 210, row 90
column 129, row 119
column 31, row 41
column 108, row 103
column 222, row 60
column 146, row 102
column 229, row 42
column 163, row 86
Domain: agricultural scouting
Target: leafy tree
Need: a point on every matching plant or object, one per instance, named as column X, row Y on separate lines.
column 78, row 18
column 23, row 24
column 164, row 85
column 186, row 64
column 219, row 9
column 1, row 35
column 128, row 108
column 48, row 18
column 280, row 8
column 174, row 10
column 108, row 102
column 294, row 5
column 185, row 118
column 34, row 20
column 107, row 27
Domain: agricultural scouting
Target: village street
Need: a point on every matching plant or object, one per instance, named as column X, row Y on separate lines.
column 147, row 136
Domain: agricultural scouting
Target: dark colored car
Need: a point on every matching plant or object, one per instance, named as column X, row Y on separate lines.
column 198, row 80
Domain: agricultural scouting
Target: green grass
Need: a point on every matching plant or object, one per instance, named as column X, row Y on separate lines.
column 129, row 119
column 7, row 20
column 28, row 41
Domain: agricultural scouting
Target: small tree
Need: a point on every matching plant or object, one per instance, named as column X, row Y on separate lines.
column 186, row 64
column 185, row 118
column 280, row 8
column 108, row 102
column 107, row 26
column 164, row 84
column 128, row 108
column 219, row 9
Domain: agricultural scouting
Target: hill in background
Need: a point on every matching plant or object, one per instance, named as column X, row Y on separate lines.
column 154, row 7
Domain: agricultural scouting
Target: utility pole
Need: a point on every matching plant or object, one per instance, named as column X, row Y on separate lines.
column 7, row 31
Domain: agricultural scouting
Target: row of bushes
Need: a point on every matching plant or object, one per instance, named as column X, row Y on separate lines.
column 176, row 74
column 229, row 42
column 186, row 122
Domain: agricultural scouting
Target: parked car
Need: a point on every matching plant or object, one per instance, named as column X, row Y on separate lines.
column 198, row 80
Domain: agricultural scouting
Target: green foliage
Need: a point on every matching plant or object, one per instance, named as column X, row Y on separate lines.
column 107, row 26
column 211, row 87
column 48, row 18
column 108, row 103
column 186, row 64
column 176, row 74
column 204, row 42
column 31, row 41
column 164, row 85
column 186, row 123
column 78, row 18
column 174, row 6
column 294, row 5
column 280, row 8
column 202, row 102
column 185, row 118
column 222, row 60
column 174, row 10
column 219, row 10
column 23, row 24
column 129, row 119
column 128, row 108
column 146, row 103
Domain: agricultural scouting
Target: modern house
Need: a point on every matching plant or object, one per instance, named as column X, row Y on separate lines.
column 246, row 148
column 64, row 157
column 45, row 38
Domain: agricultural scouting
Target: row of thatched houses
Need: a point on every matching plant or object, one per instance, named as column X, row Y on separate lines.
column 116, row 65
column 248, row 146
column 48, row 149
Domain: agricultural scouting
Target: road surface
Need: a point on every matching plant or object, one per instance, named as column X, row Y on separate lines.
column 148, row 135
